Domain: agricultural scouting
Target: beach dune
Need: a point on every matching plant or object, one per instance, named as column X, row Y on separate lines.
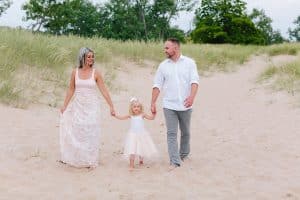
column 244, row 145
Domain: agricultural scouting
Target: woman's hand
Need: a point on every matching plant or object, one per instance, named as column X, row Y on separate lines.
column 62, row 109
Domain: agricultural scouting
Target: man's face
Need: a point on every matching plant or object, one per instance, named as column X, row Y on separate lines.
column 170, row 49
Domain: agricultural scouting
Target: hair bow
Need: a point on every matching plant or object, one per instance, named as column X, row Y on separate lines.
column 133, row 99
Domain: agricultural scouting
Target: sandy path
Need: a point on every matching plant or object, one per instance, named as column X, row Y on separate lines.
column 245, row 145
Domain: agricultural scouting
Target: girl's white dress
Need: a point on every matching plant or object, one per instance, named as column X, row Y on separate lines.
column 138, row 140
column 80, row 125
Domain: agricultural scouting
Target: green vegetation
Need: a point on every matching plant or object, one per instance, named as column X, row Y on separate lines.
column 216, row 22
column 219, row 57
column 35, row 68
column 295, row 32
column 283, row 77
column 285, row 48
column 4, row 5
column 226, row 21
column 114, row 19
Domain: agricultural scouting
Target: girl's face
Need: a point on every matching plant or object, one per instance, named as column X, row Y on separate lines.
column 89, row 59
column 136, row 109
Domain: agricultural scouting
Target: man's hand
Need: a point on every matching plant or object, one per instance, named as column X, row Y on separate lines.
column 188, row 102
column 153, row 109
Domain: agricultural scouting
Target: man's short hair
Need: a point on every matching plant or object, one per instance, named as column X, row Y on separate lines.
column 174, row 40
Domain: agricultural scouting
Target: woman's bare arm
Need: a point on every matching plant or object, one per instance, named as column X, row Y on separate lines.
column 70, row 91
column 104, row 91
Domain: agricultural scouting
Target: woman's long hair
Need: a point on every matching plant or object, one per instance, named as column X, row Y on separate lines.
column 82, row 54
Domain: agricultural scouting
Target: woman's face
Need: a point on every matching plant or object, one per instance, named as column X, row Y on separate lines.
column 89, row 59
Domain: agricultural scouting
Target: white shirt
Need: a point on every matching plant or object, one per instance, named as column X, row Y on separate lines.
column 175, row 80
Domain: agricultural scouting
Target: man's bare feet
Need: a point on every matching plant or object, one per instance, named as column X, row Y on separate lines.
column 90, row 168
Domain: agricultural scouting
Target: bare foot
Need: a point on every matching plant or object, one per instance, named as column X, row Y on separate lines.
column 60, row 161
column 90, row 168
column 131, row 168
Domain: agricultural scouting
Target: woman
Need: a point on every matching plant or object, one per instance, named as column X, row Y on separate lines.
column 80, row 120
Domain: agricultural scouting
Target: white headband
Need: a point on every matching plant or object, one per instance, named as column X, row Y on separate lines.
column 133, row 99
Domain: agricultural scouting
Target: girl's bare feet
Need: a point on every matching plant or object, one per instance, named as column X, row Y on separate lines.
column 131, row 163
column 141, row 160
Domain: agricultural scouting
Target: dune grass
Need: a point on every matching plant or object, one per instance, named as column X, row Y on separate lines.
column 36, row 67
column 283, row 77
column 279, row 49
column 223, row 57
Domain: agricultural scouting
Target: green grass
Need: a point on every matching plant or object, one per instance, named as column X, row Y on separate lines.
column 219, row 57
column 279, row 49
column 283, row 77
column 36, row 66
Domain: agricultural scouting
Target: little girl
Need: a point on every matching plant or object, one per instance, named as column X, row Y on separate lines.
column 138, row 141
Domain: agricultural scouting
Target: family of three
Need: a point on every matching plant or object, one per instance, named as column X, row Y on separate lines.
column 176, row 77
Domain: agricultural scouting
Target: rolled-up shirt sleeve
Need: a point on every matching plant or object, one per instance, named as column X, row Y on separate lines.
column 158, row 79
column 194, row 74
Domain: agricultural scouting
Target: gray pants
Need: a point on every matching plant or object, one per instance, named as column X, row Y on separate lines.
column 173, row 118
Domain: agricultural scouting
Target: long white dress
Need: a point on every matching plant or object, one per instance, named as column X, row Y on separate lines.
column 138, row 140
column 80, row 125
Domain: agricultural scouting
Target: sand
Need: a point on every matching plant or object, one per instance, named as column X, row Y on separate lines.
column 244, row 145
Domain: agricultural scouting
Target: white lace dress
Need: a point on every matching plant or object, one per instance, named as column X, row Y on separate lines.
column 138, row 140
column 80, row 125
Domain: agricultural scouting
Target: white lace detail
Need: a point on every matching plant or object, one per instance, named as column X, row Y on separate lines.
column 80, row 125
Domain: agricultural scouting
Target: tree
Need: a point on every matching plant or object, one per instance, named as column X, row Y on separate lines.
column 115, row 19
column 77, row 17
column 141, row 19
column 120, row 20
column 263, row 23
column 161, row 13
column 294, row 34
column 224, row 21
column 4, row 4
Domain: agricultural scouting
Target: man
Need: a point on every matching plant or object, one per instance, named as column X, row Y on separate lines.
column 177, row 76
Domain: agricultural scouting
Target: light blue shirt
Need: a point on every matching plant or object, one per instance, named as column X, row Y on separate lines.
column 174, row 79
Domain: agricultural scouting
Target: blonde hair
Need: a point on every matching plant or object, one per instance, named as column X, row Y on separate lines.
column 135, row 101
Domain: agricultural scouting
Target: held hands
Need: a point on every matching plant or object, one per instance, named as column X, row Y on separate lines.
column 153, row 109
column 112, row 111
column 62, row 109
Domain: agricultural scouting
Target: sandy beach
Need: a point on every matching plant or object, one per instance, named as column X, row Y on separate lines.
column 244, row 145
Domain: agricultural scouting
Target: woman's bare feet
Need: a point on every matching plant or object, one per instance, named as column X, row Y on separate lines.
column 131, row 164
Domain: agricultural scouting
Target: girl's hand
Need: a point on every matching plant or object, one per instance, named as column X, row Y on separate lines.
column 112, row 111
column 150, row 116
